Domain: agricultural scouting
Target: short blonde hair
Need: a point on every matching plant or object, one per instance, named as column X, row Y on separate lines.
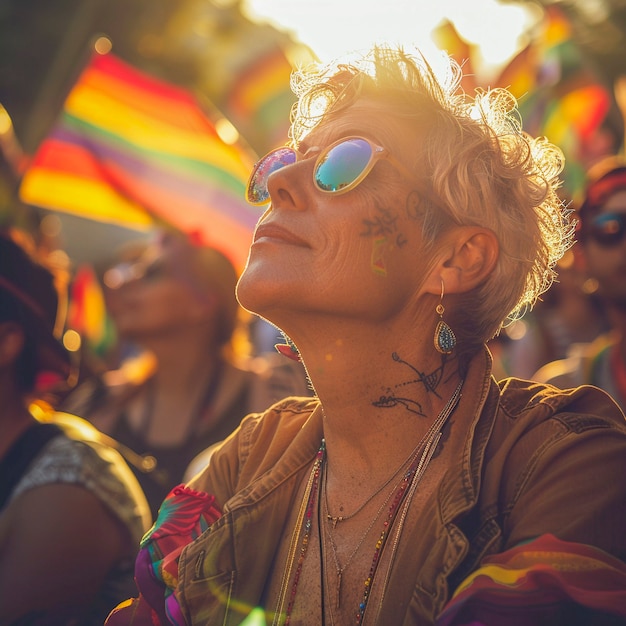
column 474, row 163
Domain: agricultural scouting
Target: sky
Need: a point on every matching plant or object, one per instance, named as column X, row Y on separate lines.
column 332, row 28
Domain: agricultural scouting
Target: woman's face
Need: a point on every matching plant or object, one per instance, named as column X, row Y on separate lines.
column 351, row 255
column 607, row 263
column 158, row 296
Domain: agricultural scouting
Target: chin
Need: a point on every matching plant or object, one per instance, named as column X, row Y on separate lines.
column 252, row 292
column 261, row 293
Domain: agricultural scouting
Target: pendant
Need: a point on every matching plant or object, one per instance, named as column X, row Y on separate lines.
column 334, row 520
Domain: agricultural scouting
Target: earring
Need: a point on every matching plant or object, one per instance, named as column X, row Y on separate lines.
column 445, row 339
column 288, row 349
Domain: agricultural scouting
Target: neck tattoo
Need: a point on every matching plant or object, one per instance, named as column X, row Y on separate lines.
column 419, row 460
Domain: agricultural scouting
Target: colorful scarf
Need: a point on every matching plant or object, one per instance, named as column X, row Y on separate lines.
column 539, row 582
column 184, row 515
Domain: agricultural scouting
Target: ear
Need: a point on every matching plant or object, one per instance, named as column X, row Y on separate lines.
column 469, row 255
column 11, row 343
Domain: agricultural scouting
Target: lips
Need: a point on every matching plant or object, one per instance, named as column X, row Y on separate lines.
column 280, row 234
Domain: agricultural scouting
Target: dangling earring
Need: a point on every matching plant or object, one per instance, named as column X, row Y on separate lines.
column 288, row 349
column 445, row 339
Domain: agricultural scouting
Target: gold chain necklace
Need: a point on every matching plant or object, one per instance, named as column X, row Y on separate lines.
column 335, row 519
column 333, row 547
column 419, row 461
column 302, row 528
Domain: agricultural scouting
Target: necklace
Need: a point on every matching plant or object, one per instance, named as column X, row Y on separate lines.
column 333, row 548
column 341, row 568
column 410, row 480
column 302, row 529
column 335, row 519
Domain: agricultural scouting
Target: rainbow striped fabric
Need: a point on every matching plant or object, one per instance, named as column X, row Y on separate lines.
column 260, row 99
column 129, row 149
column 87, row 313
column 544, row 581
column 559, row 92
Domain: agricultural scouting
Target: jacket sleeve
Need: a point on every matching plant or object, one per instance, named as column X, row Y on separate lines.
column 543, row 581
column 562, row 511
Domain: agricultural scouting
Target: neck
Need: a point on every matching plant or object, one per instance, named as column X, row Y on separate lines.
column 185, row 364
column 389, row 395
column 180, row 387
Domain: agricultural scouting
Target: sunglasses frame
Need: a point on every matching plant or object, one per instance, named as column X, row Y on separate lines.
column 377, row 153
column 608, row 240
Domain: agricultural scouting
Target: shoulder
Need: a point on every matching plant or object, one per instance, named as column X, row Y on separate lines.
column 281, row 420
column 556, row 436
column 540, row 428
column 270, row 432
column 578, row 367
column 100, row 399
column 535, row 403
column 80, row 456
column 256, row 446
column 551, row 450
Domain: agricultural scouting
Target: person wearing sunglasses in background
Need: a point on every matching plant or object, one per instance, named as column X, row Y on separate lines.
column 191, row 377
column 602, row 246
column 402, row 227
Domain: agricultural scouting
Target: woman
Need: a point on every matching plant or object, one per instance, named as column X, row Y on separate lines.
column 192, row 380
column 404, row 226
column 71, row 512
column 601, row 234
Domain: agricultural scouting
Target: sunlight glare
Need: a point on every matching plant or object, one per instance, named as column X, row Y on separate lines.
column 333, row 28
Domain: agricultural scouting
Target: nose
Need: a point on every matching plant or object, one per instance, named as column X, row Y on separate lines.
column 289, row 186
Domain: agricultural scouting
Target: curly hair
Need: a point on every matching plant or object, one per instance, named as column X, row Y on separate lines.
column 473, row 162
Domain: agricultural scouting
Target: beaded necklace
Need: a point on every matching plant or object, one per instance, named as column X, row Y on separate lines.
column 342, row 568
column 411, row 478
column 335, row 519
column 302, row 529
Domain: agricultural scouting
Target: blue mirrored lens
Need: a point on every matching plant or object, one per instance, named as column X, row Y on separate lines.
column 609, row 228
column 257, row 192
column 343, row 164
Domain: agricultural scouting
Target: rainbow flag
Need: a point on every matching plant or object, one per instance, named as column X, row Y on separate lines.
column 130, row 149
column 560, row 95
column 87, row 313
column 260, row 99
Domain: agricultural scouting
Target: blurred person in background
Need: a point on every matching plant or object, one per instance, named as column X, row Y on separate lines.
column 71, row 511
column 191, row 380
column 569, row 313
column 602, row 247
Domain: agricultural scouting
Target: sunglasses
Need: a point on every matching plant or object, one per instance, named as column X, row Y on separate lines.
column 339, row 168
column 608, row 229
column 146, row 270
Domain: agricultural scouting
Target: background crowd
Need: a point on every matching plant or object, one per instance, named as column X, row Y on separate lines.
column 98, row 438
